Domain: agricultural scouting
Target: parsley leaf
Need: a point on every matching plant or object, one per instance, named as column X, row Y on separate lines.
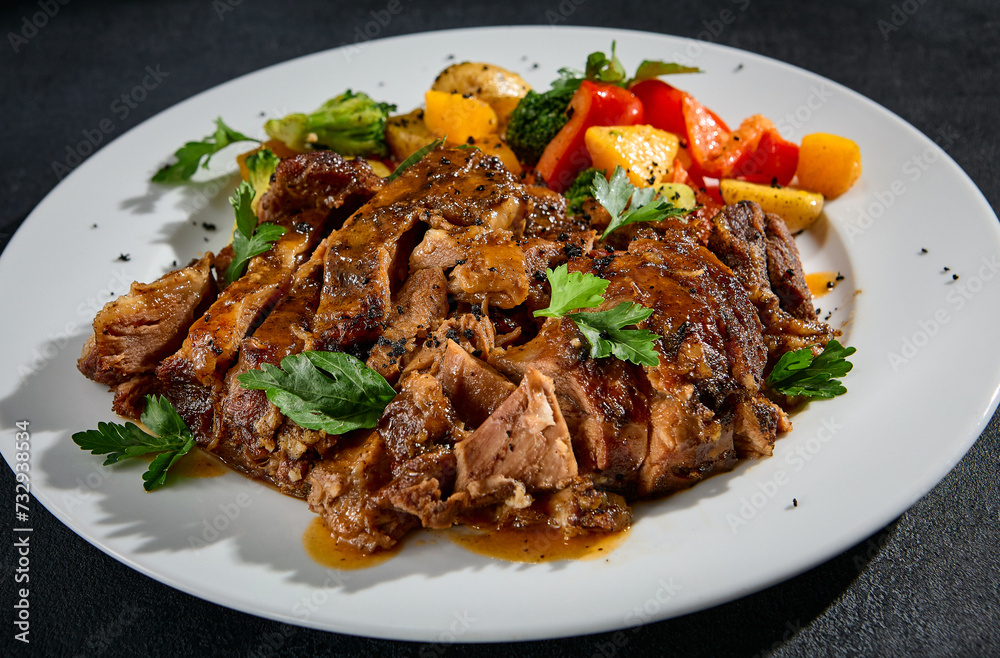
column 799, row 373
column 414, row 158
column 173, row 440
column 191, row 154
column 572, row 290
column 604, row 330
column 607, row 336
column 649, row 69
column 249, row 239
column 328, row 391
column 646, row 205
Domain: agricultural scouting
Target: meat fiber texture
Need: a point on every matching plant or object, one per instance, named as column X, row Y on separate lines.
column 499, row 417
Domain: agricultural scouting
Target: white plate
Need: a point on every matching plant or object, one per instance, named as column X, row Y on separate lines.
column 853, row 463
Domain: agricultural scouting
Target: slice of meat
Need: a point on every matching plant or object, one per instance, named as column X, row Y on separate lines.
column 474, row 387
column 367, row 259
column 739, row 239
column 423, row 488
column 541, row 254
column 601, row 400
column 525, row 440
column 582, row 508
column 136, row 331
column 418, row 420
column 301, row 199
column 342, row 491
column 420, row 308
column 712, row 356
column 784, row 269
column 248, row 421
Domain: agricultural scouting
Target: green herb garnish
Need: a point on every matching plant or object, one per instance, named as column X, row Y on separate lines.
column 328, row 391
column 192, row 153
column 799, row 373
column 414, row 158
column 604, row 330
column 644, row 205
column 173, row 440
column 249, row 239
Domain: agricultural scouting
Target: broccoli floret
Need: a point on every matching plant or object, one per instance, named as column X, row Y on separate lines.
column 536, row 120
column 261, row 165
column 351, row 124
column 581, row 190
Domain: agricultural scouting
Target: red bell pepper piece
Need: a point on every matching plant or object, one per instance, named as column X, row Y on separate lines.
column 773, row 160
column 593, row 104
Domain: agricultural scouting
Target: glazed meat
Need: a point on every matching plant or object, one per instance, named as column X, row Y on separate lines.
column 499, row 417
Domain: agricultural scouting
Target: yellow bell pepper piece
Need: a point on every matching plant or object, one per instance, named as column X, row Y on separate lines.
column 644, row 152
column 459, row 117
column 828, row 164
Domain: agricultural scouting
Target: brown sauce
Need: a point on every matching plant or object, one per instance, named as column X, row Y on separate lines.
column 198, row 464
column 821, row 283
column 324, row 549
column 538, row 544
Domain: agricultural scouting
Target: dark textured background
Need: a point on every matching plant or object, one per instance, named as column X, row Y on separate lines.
column 925, row 585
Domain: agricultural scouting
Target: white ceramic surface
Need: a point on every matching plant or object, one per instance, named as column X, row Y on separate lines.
column 924, row 384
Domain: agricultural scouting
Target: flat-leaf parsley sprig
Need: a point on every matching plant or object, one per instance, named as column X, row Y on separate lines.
column 604, row 330
column 328, row 391
column 249, row 239
column 192, row 154
column 644, row 204
column 172, row 440
column 799, row 373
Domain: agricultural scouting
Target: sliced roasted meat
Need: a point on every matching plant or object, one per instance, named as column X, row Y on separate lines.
column 418, row 420
column 739, row 239
column 133, row 333
column 367, row 259
column 581, row 508
column 525, row 442
column 784, row 269
column 343, row 491
column 473, row 386
column 301, row 199
column 420, row 308
column 601, row 400
column 248, row 421
column 712, row 356
column 423, row 488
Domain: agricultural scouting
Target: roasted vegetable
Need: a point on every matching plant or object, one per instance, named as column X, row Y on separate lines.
column 458, row 117
column 581, row 190
column 644, row 152
column 260, row 167
column 798, row 208
column 496, row 86
column 536, row 120
column 350, row 124
column 828, row 164
column 406, row 134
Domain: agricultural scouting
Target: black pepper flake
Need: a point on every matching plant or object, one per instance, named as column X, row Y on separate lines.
column 954, row 277
column 739, row 67
column 469, row 334
column 383, row 341
column 452, row 335
column 829, row 285
column 563, row 237
column 736, row 138
column 445, row 161
column 479, row 222
column 947, row 269
column 480, row 188
column 477, row 353
column 539, row 277
column 477, row 311
column 175, row 263
column 795, row 502
column 573, row 250
column 839, row 277
column 125, row 257
column 923, row 251
column 93, row 226
column 460, row 261
column 774, row 182
column 372, row 312
column 208, row 226
column 492, row 269
column 399, row 309
column 489, row 174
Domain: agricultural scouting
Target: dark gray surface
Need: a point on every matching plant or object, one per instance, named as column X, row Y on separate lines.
column 925, row 585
